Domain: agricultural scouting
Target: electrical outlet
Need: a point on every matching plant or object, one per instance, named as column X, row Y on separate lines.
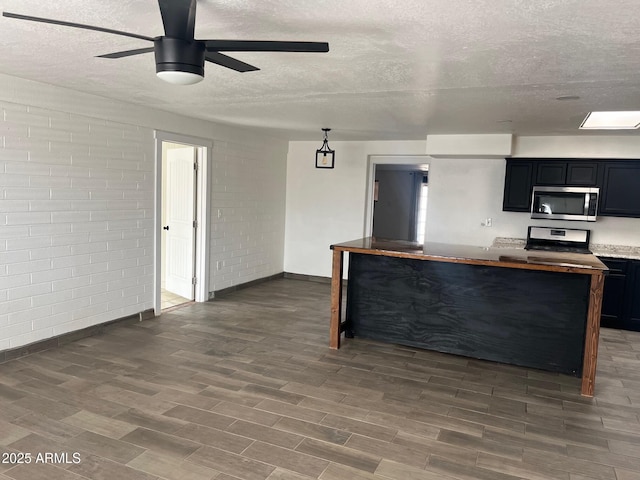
column 218, row 264
column 488, row 222
column 219, row 213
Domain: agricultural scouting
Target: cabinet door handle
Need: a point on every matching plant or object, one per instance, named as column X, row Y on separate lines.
column 166, row 228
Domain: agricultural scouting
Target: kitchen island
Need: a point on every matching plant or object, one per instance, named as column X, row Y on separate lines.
column 533, row 309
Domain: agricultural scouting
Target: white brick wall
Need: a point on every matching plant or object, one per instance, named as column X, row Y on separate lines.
column 66, row 221
column 76, row 208
column 247, row 198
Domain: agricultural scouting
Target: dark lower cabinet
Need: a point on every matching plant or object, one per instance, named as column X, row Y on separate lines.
column 633, row 292
column 614, row 290
column 621, row 298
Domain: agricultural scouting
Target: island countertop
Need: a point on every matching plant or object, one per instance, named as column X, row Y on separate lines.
column 474, row 255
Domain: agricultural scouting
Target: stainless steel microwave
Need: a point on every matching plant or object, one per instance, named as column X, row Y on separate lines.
column 565, row 203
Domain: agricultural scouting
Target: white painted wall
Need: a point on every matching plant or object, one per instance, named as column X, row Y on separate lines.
column 462, row 193
column 248, row 189
column 588, row 146
column 76, row 207
column 328, row 206
column 485, row 146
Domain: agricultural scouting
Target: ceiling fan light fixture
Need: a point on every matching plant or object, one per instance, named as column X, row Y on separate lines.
column 179, row 56
column 178, row 77
column 178, row 61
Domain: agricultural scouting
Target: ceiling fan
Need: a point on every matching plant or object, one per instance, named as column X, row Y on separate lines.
column 179, row 56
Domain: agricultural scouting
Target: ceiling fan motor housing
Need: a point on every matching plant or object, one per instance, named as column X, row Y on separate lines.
column 178, row 55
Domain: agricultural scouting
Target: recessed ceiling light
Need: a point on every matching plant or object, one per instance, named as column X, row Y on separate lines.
column 611, row 121
column 568, row 97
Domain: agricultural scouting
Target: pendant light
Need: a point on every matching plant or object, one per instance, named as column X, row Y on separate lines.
column 324, row 155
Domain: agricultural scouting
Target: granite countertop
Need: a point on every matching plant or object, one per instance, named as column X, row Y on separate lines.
column 514, row 257
column 598, row 249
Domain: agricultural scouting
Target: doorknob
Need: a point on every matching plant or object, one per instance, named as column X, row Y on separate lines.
column 166, row 228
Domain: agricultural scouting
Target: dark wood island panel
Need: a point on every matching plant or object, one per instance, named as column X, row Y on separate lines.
column 535, row 309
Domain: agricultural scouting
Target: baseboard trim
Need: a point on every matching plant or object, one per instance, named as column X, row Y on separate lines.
column 63, row 339
column 225, row 291
column 311, row 278
column 307, row 278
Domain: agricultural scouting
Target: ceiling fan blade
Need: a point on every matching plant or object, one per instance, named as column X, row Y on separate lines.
column 264, row 46
column 232, row 63
column 178, row 17
column 127, row 53
column 75, row 25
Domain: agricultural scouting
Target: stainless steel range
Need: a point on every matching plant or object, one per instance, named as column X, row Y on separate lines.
column 571, row 240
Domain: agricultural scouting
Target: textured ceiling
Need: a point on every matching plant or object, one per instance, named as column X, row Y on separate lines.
column 395, row 70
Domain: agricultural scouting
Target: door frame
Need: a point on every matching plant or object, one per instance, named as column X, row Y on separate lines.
column 374, row 160
column 204, row 152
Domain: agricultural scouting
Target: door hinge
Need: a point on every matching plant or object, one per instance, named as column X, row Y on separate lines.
column 195, row 224
column 194, row 281
column 195, row 166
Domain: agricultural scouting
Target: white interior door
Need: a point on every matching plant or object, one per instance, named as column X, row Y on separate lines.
column 178, row 225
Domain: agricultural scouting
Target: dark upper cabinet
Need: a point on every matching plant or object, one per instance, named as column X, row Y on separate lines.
column 559, row 172
column 551, row 173
column 517, row 186
column 620, row 191
column 583, row 174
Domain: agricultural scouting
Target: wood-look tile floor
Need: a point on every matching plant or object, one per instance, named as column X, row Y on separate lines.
column 246, row 388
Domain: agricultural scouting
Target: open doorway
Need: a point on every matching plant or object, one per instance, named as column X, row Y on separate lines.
column 400, row 199
column 409, row 203
column 181, row 269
